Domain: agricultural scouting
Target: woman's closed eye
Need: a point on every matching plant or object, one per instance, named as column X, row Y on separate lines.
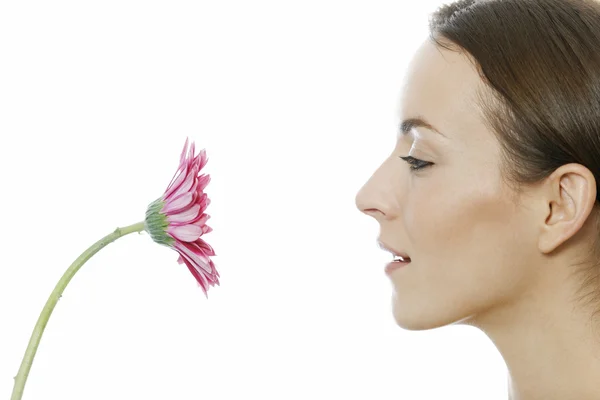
column 415, row 163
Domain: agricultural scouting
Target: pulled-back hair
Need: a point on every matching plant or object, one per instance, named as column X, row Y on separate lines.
column 541, row 60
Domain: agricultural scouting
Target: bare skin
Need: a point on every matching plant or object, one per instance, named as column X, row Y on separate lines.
column 481, row 254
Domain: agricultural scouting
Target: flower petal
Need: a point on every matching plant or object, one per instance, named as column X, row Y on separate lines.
column 204, row 201
column 195, row 254
column 191, row 156
column 184, row 187
column 203, row 180
column 202, row 220
column 195, row 221
column 183, row 153
column 205, row 274
column 206, row 248
column 201, row 159
column 176, row 204
column 177, row 180
column 186, row 216
column 199, row 277
column 185, row 233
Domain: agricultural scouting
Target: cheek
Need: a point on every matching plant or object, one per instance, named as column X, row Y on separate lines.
column 447, row 224
column 463, row 241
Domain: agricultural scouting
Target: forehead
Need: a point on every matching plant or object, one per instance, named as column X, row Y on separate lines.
column 443, row 86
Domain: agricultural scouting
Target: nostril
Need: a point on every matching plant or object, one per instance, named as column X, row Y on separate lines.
column 373, row 212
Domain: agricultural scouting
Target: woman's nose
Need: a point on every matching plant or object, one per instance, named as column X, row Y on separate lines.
column 378, row 197
column 367, row 201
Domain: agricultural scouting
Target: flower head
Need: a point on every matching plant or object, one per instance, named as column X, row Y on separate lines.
column 178, row 220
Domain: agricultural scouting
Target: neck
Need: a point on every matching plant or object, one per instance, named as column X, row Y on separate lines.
column 549, row 344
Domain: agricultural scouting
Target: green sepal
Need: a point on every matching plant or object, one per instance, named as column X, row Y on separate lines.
column 157, row 224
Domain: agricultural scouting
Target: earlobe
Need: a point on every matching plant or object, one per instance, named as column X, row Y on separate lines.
column 570, row 195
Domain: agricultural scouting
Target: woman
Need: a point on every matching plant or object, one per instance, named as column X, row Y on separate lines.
column 490, row 192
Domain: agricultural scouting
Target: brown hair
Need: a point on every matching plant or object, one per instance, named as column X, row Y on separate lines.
column 541, row 58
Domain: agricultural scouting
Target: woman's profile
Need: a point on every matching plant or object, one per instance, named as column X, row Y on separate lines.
column 489, row 201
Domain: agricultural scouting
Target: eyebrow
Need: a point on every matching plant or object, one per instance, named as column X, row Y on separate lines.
column 417, row 122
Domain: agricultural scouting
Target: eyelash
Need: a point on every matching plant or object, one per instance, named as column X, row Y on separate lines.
column 415, row 163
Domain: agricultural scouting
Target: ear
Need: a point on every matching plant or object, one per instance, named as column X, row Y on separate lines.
column 569, row 195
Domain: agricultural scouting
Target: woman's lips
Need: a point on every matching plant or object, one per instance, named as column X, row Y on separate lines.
column 395, row 265
column 394, row 252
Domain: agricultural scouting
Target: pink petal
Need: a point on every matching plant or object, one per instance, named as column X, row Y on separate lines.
column 203, row 180
column 195, row 221
column 202, row 220
column 177, row 180
column 185, row 216
column 184, row 187
column 191, row 153
column 199, row 278
column 186, row 233
column 204, row 201
column 206, row 248
column 178, row 203
column 202, row 159
column 195, row 254
column 182, row 166
column 202, row 277
column 183, row 153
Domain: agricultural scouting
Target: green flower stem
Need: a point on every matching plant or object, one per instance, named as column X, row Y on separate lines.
column 36, row 336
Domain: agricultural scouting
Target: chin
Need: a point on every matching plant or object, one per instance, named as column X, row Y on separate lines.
column 415, row 324
column 422, row 320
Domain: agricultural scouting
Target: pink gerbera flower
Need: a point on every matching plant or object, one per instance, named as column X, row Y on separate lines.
column 178, row 220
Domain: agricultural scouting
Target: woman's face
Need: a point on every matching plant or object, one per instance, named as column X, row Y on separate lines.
column 471, row 246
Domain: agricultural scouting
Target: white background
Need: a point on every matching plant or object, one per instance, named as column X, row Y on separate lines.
column 295, row 103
